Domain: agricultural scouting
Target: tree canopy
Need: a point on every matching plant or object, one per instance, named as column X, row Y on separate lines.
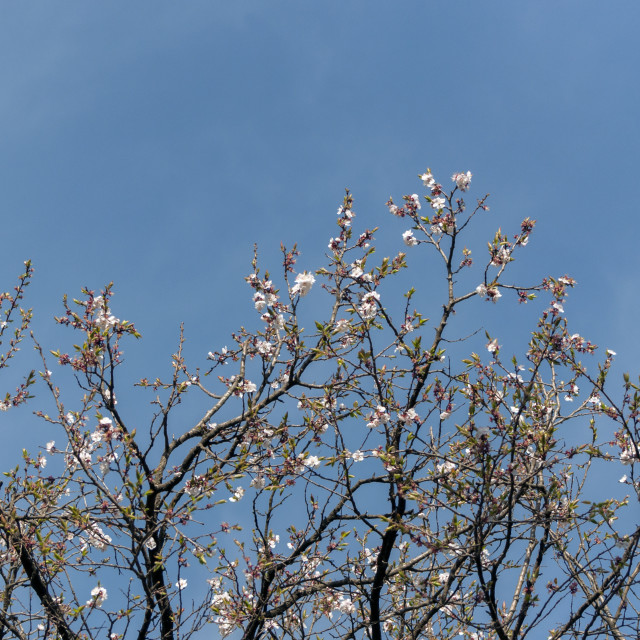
column 344, row 469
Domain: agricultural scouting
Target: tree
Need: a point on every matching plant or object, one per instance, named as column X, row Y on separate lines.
column 356, row 480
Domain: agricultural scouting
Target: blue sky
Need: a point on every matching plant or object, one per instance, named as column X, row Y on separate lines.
column 152, row 143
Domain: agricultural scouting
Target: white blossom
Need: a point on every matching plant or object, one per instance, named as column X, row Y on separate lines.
column 627, row 456
column 304, row 282
column 409, row 239
column 368, row 307
column 97, row 537
column 264, row 347
column 427, row 179
column 462, row 180
column 378, row 417
column 247, row 387
column 408, row 416
column 259, row 301
column 98, row 596
column 237, row 495
column 273, row 541
column 438, row 203
column 346, row 606
column 312, row 461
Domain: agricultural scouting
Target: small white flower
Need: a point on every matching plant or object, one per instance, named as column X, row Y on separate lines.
column 408, row 416
column 627, row 456
column 438, row 203
column 346, row 606
column 304, row 282
column 50, row 446
column 611, row 353
column 248, row 387
column 357, row 456
column 377, row 417
column 409, row 238
column 623, row 479
column 312, row 461
column 259, row 301
column 237, row 495
column 427, row 179
column 273, row 541
column 462, row 180
column 368, row 307
column 444, row 415
column 181, row 584
column 98, row 596
column 264, row 347
column 445, row 467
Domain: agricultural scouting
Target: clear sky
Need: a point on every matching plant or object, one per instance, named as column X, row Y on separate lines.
column 152, row 143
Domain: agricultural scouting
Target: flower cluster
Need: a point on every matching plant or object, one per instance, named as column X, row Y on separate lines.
column 369, row 305
column 378, row 417
column 304, row 282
